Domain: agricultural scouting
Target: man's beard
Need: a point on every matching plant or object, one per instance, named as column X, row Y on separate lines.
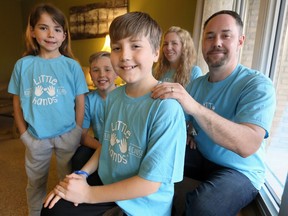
column 216, row 63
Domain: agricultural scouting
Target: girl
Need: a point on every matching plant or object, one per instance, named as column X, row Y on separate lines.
column 48, row 87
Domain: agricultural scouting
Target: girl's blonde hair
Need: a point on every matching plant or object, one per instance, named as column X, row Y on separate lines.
column 32, row 47
column 187, row 59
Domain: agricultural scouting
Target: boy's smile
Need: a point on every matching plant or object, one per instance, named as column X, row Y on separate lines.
column 133, row 59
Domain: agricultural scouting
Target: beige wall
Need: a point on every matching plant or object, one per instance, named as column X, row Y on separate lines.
column 11, row 37
column 167, row 13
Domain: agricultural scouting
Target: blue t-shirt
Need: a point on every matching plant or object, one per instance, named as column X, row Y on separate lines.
column 47, row 89
column 169, row 75
column 93, row 112
column 143, row 137
column 245, row 96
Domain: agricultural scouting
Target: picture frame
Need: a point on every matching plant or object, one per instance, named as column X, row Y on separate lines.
column 93, row 20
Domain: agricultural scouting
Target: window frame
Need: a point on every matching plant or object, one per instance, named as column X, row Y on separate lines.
column 270, row 28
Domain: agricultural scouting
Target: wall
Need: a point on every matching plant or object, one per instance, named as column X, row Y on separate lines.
column 167, row 13
column 11, row 37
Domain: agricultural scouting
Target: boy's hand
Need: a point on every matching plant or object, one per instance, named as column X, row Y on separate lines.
column 69, row 189
column 51, row 199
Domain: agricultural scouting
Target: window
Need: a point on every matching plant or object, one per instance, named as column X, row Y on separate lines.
column 277, row 70
column 267, row 21
column 277, row 148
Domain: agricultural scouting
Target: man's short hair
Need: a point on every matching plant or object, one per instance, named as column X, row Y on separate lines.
column 235, row 15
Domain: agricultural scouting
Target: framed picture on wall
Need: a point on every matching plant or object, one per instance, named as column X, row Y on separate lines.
column 93, row 20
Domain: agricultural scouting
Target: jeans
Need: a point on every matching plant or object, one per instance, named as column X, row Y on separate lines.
column 222, row 191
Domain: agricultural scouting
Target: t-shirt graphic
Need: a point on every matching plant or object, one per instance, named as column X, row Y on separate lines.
column 45, row 91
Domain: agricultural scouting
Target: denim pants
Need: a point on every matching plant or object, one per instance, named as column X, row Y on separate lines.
column 37, row 163
column 222, row 191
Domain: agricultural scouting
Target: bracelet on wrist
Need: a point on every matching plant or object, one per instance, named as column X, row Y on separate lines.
column 81, row 172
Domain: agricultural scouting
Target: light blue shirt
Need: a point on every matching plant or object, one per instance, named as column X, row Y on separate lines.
column 245, row 96
column 143, row 137
column 47, row 89
column 169, row 75
column 93, row 113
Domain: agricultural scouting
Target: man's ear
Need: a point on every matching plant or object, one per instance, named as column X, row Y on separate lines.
column 241, row 40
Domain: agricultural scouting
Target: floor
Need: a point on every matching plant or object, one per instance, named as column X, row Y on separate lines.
column 13, row 177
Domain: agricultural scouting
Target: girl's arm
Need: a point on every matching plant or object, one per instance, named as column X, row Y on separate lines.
column 80, row 107
column 18, row 115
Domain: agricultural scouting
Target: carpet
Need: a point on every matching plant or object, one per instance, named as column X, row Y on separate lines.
column 13, row 178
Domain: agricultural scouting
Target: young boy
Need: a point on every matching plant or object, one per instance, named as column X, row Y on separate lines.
column 103, row 77
column 144, row 140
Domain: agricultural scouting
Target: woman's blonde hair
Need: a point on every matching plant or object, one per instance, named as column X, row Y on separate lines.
column 32, row 47
column 187, row 59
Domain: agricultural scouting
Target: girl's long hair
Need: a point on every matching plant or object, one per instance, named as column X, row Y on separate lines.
column 32, row 47
column 187, row 59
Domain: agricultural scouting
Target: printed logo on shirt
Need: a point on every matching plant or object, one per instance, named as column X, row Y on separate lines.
column 209, row 105
column 120, row 148
column 45, row 91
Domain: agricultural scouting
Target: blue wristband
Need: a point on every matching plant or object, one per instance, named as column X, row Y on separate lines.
column 81, row 172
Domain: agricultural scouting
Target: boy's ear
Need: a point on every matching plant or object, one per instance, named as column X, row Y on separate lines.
column 156, row 53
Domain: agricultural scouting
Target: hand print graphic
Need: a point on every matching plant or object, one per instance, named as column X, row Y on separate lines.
column 123, row 146
column 38, row 91
column 51, row 91
column 113, row 139
column 122, row 143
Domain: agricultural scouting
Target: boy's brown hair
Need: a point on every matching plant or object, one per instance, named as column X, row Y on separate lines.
column 135, row 24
